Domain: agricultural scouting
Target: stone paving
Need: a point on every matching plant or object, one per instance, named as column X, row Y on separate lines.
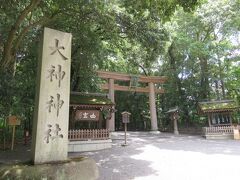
column 158, row 156
column 168, row 157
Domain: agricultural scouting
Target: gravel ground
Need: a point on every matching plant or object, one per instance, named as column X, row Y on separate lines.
column 157, row 156
column 168, row 157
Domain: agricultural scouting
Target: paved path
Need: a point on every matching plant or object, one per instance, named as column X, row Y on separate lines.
column 160, row 157
column 168, row 157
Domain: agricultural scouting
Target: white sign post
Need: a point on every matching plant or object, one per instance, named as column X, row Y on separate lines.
column 51, row 115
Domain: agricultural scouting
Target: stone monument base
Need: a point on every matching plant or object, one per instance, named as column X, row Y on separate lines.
column 91, row 145
column 75, row 169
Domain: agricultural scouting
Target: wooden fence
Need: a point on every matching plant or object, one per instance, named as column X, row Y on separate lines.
column 86, row 134
column 219, row 130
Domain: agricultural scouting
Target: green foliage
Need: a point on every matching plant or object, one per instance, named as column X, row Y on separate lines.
column 136, row 104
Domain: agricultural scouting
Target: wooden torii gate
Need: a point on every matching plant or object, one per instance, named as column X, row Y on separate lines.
column 151, row 80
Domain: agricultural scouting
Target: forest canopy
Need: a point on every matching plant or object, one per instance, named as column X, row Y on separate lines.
column 195, row 43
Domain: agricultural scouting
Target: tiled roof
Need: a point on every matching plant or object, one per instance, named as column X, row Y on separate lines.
column 89, row 99
column 218, row 106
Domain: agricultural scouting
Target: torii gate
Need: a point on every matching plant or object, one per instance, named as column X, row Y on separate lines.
column 151, row 80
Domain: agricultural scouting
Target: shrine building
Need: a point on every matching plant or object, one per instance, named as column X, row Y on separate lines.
column 219, row 113
column 220, row 116
column 89, row 113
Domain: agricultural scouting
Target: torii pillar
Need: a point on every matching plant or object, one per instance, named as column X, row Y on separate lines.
column 111, row 123
column 152, row 104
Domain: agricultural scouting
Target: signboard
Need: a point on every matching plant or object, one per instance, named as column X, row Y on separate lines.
column 13, row 121
column 125, row 117
column 87, row 115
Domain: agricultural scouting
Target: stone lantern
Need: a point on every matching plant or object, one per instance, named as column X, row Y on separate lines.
column 174, row 115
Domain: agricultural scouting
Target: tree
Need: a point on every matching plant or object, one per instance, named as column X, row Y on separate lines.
column 199, row 55
column 107, row 35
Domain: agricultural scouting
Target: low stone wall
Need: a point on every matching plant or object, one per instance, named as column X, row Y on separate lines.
column 90, row 145
column 219, row 136
column 190, row 130
column 221, row 132
column 74, row 169
column 193, row 131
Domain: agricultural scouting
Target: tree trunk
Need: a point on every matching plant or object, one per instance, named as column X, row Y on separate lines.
column 204, row 85
column 8, row 51
column 178, row 85
column 221, row 77
column 217, row 89
column 223, row 89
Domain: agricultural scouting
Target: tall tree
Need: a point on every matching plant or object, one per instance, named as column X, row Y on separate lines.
column 204, row 48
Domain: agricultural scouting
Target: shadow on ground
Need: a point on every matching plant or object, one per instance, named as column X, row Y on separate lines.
column 117, row 164
column 20, row 153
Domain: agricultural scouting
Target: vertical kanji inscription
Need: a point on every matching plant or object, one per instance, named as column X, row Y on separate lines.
column 55, row 103
column 51, row 116
column 56, row 73
column 57, row 48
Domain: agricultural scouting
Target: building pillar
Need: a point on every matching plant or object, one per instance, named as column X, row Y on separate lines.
column 152, row 104
column 111, row 123
column 230, row 116
column 209, row 120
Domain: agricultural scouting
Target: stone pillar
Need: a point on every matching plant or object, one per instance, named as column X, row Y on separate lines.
column 153, row 112
column 236, row 133
column 51, row 111
column 111, row 122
